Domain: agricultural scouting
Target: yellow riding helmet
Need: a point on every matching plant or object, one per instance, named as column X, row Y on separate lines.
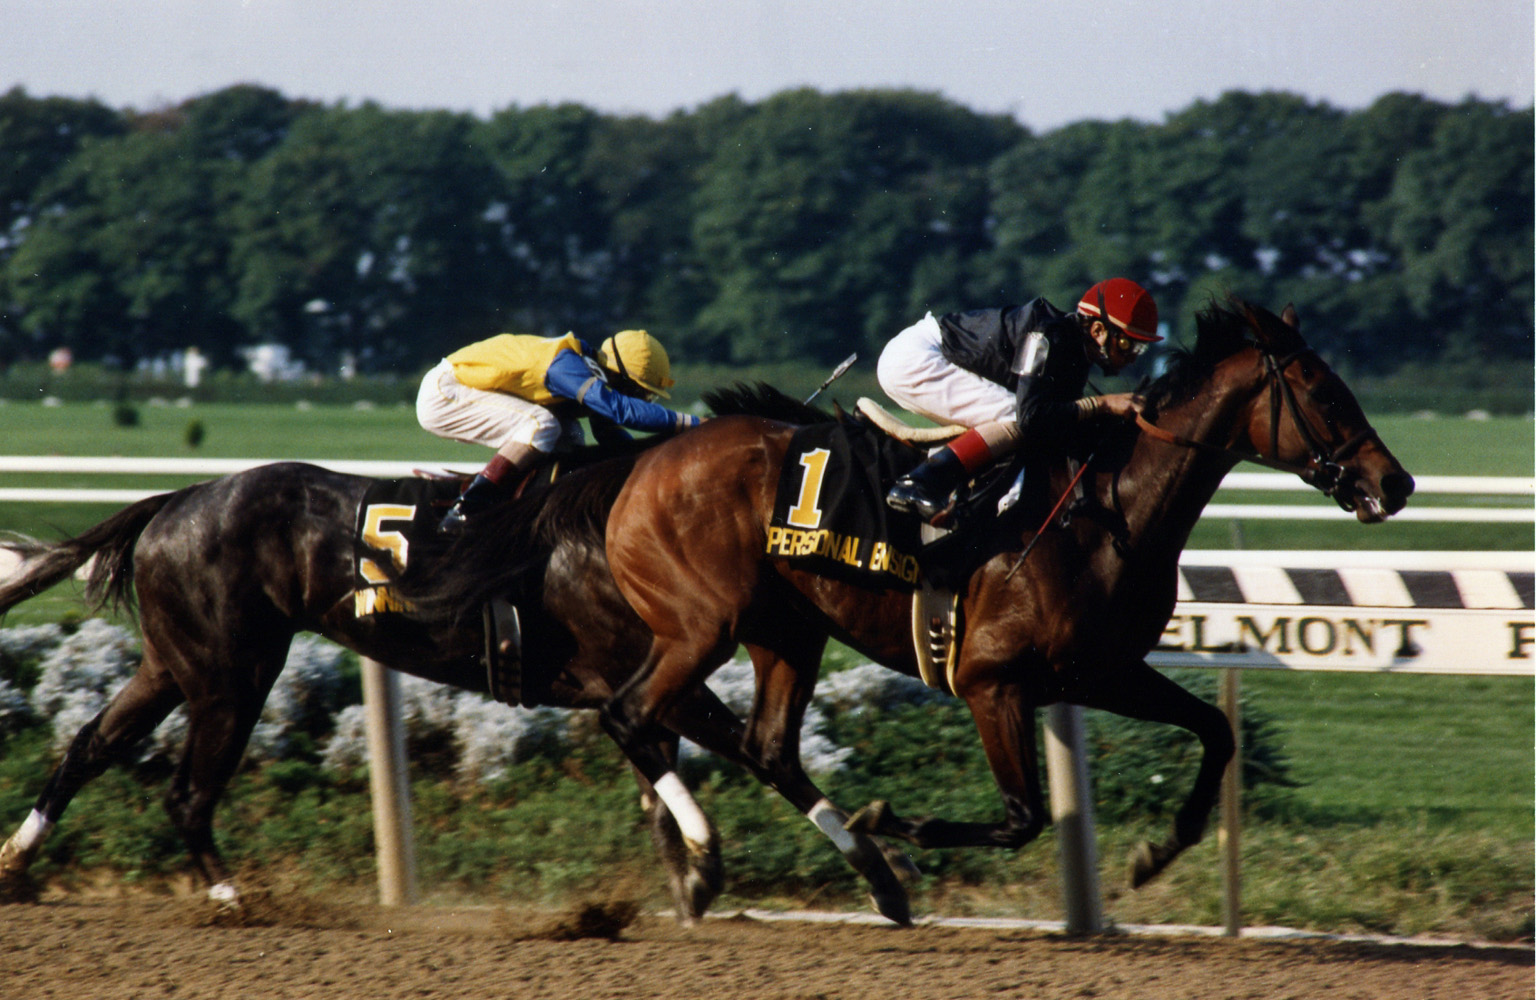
column 639, row 356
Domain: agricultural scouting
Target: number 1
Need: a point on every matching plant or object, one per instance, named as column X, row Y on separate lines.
column 805, row 513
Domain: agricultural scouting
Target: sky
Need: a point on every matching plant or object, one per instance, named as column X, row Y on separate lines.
column 1046, row 63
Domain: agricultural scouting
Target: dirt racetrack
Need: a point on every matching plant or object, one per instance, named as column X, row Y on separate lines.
column 85, row 949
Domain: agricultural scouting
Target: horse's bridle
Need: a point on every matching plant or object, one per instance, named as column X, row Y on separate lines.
column 1324, row 469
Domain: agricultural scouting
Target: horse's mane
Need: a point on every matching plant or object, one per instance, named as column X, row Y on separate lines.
column 759, row 399
column 1221, row 330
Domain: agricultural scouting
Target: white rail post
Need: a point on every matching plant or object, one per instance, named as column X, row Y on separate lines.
column 388, row 778
column 1229, row 838
column 1066, row 762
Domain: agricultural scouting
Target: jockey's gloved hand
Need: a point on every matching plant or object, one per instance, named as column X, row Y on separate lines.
column 1125, row 405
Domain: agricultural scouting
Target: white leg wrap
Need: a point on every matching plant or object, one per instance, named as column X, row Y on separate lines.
column 224, row 894
column 829, row 820
column 34, row 830
column 690, row 818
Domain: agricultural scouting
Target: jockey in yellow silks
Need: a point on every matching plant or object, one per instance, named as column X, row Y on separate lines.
column 522, row 394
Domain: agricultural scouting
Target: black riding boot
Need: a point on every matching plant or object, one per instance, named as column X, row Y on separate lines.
column 477, row 496
column 926, row 489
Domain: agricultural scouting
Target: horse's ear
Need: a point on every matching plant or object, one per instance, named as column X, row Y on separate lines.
column 1255, row 322
column 1289, row 318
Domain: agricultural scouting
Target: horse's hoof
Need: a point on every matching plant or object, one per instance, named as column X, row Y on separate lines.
column 703, row 885
column 893, row 906
column 1148, row 861
column 869, row 819
column 19, row 887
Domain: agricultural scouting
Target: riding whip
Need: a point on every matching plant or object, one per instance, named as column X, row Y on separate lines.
column 837, row 373
column 1048, row 519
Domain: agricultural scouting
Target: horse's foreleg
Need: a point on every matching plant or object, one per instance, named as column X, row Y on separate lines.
column 111, row 737
column 694, row 879
column 1141, row 692
column 1005, row 721
column 669, row 674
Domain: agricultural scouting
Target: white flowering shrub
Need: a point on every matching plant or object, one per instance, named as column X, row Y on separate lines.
column 426, row 714
column 347, row 746
column 735, row 683
column 79, row 675
column 15, row 708
column 491, row 736
column 79, row 672
column 26, row 643
column 448, row 730
column 304, row 700
column 872, row 687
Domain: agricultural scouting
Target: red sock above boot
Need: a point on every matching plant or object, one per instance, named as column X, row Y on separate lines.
column 497, row 469
column 971, row 449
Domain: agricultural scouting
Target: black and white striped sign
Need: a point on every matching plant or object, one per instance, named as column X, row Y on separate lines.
column 1411, row 612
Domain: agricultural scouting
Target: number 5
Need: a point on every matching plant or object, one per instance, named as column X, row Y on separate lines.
column 376, row 536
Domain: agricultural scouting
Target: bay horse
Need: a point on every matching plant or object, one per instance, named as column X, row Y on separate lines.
column 1073, row 622
column 224, row 573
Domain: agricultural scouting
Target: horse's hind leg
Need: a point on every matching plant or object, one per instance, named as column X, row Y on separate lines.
column 1141, row 692
column 110, row 738
column 219, row 726
column 226, row 668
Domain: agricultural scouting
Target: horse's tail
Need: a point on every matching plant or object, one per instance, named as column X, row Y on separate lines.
column 110, row 579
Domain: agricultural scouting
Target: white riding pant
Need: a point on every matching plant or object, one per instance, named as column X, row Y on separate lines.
column 450, row 409
column 914, row 372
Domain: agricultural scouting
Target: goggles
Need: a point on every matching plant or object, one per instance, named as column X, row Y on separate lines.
column 1118, row 338
column 1125, row 343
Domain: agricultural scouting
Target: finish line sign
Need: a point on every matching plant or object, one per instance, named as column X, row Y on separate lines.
column 1289, row 610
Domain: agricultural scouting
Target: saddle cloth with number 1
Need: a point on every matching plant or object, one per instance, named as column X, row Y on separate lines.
column 829, row 511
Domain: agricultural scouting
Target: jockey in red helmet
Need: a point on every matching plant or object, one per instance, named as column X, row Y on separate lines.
column 1013, row 376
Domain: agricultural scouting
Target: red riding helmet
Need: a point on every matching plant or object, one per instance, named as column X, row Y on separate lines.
column 1127, row 305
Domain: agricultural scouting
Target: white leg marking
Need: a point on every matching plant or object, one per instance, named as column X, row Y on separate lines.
column 225, row 894
column 34, row 830
column 829, row 820
column 690, row 818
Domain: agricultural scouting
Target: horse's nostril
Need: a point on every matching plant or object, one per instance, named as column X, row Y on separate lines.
column 1396, row 488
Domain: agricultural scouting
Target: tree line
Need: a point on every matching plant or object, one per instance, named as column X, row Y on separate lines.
column 800, row 227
